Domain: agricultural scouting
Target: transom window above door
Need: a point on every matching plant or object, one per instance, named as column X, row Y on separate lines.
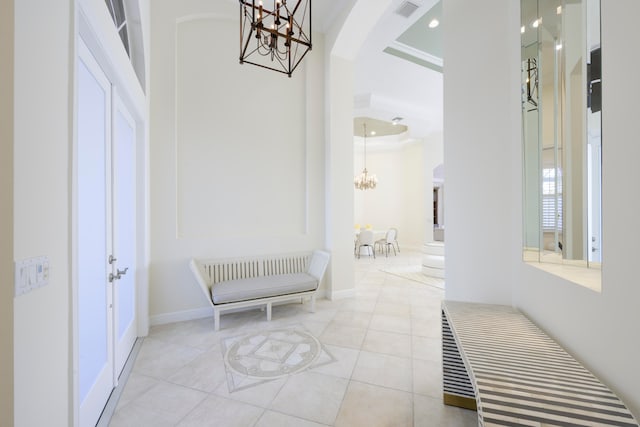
column 117, row 12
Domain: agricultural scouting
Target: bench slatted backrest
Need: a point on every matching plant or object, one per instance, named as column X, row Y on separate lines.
column 223, row 270
column 286, row 264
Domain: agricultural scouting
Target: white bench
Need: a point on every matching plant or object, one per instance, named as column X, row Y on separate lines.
column 259, row 281
column 498, row 362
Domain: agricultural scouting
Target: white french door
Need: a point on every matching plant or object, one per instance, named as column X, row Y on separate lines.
column 95, row 291
column 124, row 232
column 105, row 238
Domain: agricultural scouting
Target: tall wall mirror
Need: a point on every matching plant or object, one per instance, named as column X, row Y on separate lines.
column 561, row 131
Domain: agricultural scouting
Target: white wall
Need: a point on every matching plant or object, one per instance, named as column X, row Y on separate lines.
column 400, row 197
column 237, row 152
column 6, row 212
column 481, row 139
column 42, row 131
column 339, row 173
column 433, row 157
column 483, row 168
column 602, row 328
column 144, row 182
column 416, row 192
column 42, row 143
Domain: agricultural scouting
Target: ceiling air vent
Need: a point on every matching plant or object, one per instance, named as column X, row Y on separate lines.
column 406, row 9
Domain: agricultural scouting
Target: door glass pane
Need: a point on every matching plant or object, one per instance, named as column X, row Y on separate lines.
column 92, row 225
column 124, row 186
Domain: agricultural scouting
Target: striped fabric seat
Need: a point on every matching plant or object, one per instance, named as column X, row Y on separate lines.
column 497, row 360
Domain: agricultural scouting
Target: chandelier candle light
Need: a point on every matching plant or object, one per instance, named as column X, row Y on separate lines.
column 277, row 38
column 364, row 181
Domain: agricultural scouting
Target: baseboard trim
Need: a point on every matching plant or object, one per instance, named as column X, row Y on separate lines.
column 180, row 316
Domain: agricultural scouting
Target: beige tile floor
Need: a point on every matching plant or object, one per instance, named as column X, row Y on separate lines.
column 388, row 368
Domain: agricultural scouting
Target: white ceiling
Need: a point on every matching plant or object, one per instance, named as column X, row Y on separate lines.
column 325, row 11
column 386, row 86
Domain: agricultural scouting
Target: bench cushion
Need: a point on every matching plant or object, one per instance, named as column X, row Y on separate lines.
column 262, row 287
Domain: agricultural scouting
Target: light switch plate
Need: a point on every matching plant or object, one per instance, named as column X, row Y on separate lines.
column 30, row 274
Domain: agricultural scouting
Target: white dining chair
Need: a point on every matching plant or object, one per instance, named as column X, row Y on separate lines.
column 389, row 240
column 365, row 239
column 395, row 239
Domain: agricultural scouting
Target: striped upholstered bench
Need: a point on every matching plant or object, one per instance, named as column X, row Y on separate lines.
column 498, row 362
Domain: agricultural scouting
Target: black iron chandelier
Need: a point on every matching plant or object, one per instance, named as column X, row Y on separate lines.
column 530, row 89
column 276, row 38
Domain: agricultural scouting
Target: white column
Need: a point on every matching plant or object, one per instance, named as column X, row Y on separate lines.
column 481, row 136
column 340, row 176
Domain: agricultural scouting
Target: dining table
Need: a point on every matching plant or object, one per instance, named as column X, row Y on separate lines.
column 377, row 234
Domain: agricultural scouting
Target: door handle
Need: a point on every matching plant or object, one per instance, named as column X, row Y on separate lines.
column 120, row 273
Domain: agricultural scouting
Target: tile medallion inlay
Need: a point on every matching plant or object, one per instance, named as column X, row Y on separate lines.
column 254, row 358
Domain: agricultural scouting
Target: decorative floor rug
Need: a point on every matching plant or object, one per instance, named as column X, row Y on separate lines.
column 258, row 357
column 414, row 273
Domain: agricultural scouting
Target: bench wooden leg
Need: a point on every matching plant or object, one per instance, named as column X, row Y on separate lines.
column 216, row 319
column 268, row 312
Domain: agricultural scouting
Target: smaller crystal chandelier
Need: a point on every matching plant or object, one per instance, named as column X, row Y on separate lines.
column 364, row 181
column 276, row 38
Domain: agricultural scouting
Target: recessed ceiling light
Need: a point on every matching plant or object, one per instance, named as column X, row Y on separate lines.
column 559, row 10
column 373, row 132
column 535, row 23
column 434, row 23
column 558, row 45
column 522, row 29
